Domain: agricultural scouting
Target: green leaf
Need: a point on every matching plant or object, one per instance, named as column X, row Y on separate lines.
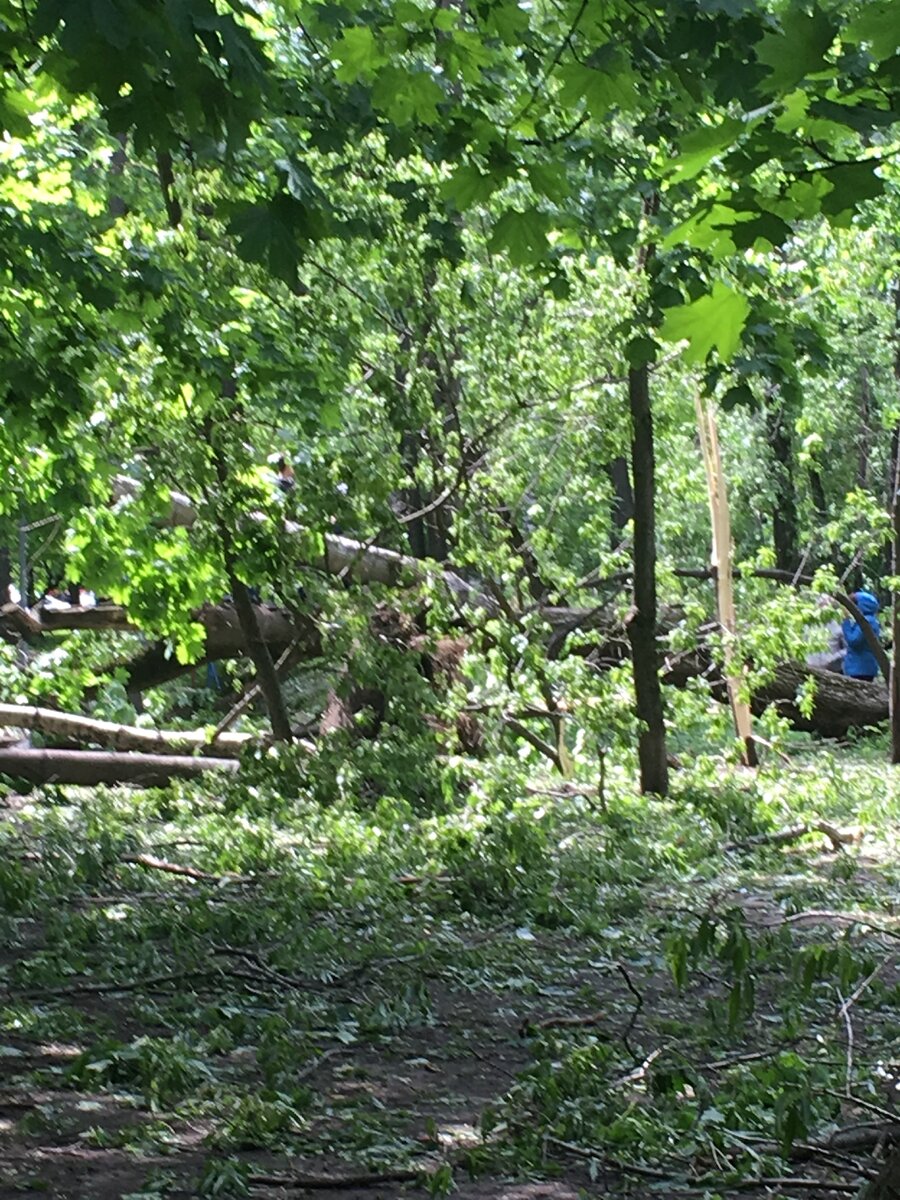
column 878, row 24
column 358, row 53
column 855, row 116
column 703, row 145
column 765, row 227
column 406, row 96
column 523, row 235
column 469, row 185
column 601, row 90
column 797, row 51
column 850, row 186
column 715, row 321
column 549, row 181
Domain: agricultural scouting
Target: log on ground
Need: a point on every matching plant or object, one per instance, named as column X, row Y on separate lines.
column 77, row 728
column 91, row 767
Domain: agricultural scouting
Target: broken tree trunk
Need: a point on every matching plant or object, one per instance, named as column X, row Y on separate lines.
column 76, row 728
column 91, row 767
column 722, row 556
column 840, row 703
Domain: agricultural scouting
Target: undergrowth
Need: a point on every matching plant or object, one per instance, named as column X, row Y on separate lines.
column 607, row 980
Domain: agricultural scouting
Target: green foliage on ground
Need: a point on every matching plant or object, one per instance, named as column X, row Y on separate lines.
column 606, row 982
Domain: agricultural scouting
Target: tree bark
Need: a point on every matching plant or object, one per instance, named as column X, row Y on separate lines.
column 886, row 1185
column 257, row 646
column 258, row 649
column 103, row 766
column 643, row 619
column 623, row 497
column 785, row 522
column 895, row 617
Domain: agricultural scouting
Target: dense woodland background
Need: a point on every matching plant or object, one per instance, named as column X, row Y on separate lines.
column 384, row 824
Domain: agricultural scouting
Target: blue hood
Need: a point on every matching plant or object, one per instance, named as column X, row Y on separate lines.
column 867, row 603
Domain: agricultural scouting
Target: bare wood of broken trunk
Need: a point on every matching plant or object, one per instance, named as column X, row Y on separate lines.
column 722, row 555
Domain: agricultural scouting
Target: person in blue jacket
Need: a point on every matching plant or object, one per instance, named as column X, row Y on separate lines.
column 859, row 661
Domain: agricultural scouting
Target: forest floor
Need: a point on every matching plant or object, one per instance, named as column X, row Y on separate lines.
column 232, row 994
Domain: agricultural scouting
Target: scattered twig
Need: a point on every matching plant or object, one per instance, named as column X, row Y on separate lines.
column 837, row 837
column 128, row 985
column 615, row 1163
column 855, row 995
column 334, row 1182
column 639, row 1004
column 268, row 973
column 824, row 914
column 867, row 1105
column 172, row 868
column 529, row 1028
column 640, row 1071
column 779, row 1181
column 844, row 1012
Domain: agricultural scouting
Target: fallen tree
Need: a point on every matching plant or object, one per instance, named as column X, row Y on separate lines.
column 156, row 664
column 76, row 728
column 840, row 703
column 91, row 767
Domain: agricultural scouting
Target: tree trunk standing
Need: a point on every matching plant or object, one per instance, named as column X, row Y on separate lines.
column 642, row 622
column 116, row 206
column 865, row 428
column 5, row 574
column 257, row 647
column 623, row 498
column 785, row 523
column 895, row 616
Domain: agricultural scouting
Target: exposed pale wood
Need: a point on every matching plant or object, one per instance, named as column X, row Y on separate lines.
column 332, row 553
column 75, row 727
column 722, row 562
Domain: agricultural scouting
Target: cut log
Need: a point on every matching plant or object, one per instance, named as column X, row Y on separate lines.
column 74, row 727
column 91, row 767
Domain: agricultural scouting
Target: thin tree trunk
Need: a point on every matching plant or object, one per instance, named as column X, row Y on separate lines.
column 785, row 523
column 116, row 206
column 258, row 649
column 895, row 620
column 865, row 429
column 622, row 510
column 642, row 621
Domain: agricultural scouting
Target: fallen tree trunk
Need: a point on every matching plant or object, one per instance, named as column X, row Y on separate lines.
column 338, row 555
column 74, row 727
column 91, row 767
column 157, row 664
column 839, row 705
